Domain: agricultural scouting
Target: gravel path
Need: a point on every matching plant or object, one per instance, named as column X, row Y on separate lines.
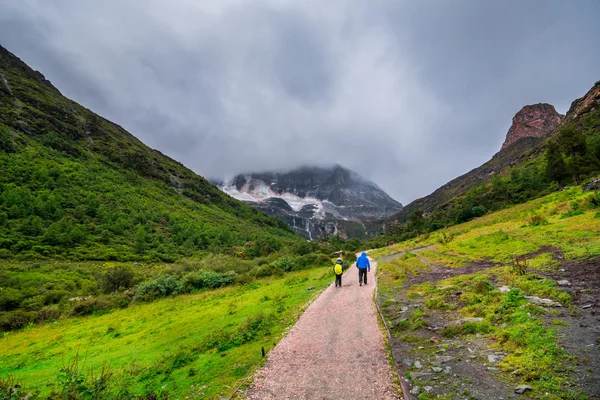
column 335, row 350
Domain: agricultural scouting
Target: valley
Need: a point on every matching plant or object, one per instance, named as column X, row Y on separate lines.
column 126, row 275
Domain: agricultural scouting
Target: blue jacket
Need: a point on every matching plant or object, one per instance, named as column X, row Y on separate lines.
column 363, row 262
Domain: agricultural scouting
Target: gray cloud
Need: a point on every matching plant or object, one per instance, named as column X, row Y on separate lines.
column 409, row 94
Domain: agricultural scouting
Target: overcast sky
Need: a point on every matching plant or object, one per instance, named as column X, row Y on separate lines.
column 410, row 94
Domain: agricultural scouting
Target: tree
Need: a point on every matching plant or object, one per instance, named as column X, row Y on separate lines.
column 116, row 278
column 556, row 168
column 416, row 221
column 140, row 239
column 574, row 145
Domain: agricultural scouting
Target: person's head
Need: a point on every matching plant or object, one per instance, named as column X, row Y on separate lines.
column 363, row 254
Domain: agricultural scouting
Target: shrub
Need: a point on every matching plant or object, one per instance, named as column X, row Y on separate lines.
column 90, row 306
column 207, row 279
column 55, row 296
column 537, row 220
column 11, row 390
column 73, row 385
column 10, row 299
column 268, row 270
column 446, row 237
column 481, row 285
column 48, row 313
column 519, row 265
column 116, row 278
column 164, row 285
column 595, row 200
column 15, row 320
column 33, row 303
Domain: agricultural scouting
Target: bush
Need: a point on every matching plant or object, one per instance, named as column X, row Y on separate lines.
column 519, row 266
column 537, row 220
column 33, row 303
column 164, row 285
column 90, row 306
column 15, row 320
column 595, row 200
column 206, row 279
column 11, row 390
column 10, row 299
column 268, row 270
column 47, row 314
column 116, row 278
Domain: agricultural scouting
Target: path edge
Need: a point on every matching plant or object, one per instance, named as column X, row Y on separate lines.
column 401, row 378
column 245, row 381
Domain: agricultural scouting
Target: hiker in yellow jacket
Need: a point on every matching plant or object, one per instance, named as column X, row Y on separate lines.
column 338, row 270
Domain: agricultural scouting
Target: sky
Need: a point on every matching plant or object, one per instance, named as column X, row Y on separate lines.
column 410, row 94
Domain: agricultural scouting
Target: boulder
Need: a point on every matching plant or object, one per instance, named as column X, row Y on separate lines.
column 593, row 185
column 542, row 302
column 522, row 389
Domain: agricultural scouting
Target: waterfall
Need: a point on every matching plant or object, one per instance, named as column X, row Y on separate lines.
column 308, row 229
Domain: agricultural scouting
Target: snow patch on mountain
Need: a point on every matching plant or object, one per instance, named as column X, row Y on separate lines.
column 261, row 192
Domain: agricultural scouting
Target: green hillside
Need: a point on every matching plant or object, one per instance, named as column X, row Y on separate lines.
column 481, row 272
column 76, row 186
column 528, row 169
column 92, row 220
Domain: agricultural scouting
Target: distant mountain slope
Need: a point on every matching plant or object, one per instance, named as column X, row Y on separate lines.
column 75, row 185
column 526, row 142
column 316, row 201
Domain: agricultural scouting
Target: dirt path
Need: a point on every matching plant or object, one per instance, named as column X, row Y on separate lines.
column 335, row 351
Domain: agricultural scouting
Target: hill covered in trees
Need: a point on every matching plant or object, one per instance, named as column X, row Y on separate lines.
column 76, row 186
column 91, row 219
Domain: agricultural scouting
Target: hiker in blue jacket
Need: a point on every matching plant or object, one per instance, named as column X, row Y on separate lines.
column 363, row 266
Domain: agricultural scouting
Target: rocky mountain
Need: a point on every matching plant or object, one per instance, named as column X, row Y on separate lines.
column 316, row 201
column 535, row 120
column 525, row 141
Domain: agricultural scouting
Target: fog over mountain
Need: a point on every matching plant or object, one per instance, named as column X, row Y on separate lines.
column 407, row 94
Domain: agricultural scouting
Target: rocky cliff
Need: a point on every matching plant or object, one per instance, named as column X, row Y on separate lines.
column 316, row 201
column 535, row 120
column 587, row 104
column 526, row 140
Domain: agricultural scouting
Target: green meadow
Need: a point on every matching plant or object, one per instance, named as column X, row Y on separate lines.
column 198, row 345
column 567, row 220
column 514, row 247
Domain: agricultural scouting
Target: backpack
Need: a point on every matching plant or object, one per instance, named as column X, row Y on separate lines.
column 337, row 268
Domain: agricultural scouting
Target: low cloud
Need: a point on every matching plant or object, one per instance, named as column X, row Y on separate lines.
column 408, row 94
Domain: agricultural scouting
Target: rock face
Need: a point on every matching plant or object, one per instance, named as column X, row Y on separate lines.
column 316, row 201
column 586, row 104
column 535, row 120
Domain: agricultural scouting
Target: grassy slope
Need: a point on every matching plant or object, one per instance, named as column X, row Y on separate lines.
column 169, row 345
column 564, row 223
column 503, row 234
column 74, row 185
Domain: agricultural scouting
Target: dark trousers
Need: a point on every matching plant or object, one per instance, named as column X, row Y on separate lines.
column 362, row 275
column 338, row 280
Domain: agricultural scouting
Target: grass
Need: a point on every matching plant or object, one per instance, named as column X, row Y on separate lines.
column 514, row 326
column 540, row 233
column 500, row 236
column 394, row 273
column 201, row 344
